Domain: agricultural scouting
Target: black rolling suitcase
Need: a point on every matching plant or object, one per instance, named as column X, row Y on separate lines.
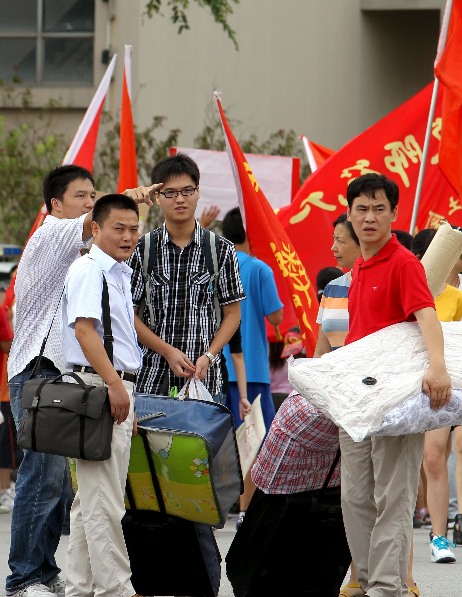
column 290, row 546
column 170, row 555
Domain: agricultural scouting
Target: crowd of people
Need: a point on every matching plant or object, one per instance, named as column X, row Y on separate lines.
column 168, row 326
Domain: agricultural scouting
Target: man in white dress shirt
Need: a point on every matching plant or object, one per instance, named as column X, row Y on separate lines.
column 97, row 559
column 42, row 484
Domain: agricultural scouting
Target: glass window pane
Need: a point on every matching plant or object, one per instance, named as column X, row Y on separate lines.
column 68, row 15
column 18, row 15
column 68, row 60
column 18, row 59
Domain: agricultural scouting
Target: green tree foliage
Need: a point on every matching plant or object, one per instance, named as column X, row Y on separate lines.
column 220, row 10
column 30, row 149
column 27, row 151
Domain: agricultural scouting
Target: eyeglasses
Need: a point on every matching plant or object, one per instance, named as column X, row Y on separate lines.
column 171, row 194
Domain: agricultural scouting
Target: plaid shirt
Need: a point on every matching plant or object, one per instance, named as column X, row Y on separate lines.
column 183, row 306
column 298, row 451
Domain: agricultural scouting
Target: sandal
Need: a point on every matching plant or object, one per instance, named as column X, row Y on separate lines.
column 348, row 590
column 414, row 590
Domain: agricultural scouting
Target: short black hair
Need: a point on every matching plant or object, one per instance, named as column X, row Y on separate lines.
column 421, row 241
column 107, row 203
column 56, row 182
column 174, row 166
column 233, row 227
column 369, row 184
column 326, row 275
column 343, row 219
column 405, row 238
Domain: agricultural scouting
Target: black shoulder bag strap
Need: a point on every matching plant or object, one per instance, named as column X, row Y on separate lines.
column 211, row 259
column 331, row 470
column 108, row 338
column 37, row 365
column 107, row 327
column 148, row 262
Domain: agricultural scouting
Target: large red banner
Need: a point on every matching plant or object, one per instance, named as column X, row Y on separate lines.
column 448, row 69
column 269, row 242
column 393, row 146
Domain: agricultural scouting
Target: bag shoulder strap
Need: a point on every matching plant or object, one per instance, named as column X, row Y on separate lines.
column 108, row 338
column 210, row 245
column 332, row 469
column 148, row 262
column 107, row 327
column 37, row 365
column 211, row 241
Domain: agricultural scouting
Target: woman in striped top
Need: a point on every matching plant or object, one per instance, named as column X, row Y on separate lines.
column 333, row 317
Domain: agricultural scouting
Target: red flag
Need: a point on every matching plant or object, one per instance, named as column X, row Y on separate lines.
column 128, row 173
column 82, row 149
column 268, row 240
column 448, row 69
column 393, row 146
column 317, row 154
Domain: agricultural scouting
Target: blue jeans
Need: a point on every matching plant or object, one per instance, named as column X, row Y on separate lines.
column 42, row 490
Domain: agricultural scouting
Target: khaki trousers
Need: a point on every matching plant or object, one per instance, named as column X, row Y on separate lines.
column 97, row 561
column 380, row 477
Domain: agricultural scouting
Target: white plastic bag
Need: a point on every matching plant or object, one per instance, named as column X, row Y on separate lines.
column 358, row 384
column 195, row 389
column 250, row 435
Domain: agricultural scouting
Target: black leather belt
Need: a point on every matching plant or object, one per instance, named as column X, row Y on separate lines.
column 123, row 374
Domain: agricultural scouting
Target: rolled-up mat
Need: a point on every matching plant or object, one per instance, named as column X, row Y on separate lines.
column 441, row 256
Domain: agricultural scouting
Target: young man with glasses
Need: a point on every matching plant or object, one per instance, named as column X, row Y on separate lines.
column 181, row 339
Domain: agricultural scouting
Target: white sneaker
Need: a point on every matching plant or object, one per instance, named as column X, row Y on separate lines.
column 58, row 587
column 240, row 519
column 6, row 500
column 440, row 552
column 34, row 591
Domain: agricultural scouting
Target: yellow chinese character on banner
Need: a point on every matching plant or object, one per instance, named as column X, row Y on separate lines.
column 454, row 205
column 401, row 154
column 253, row 180
column 433, row 220
column 436, row 132
column 360, row 168
column 291, row 266
column 315, row 199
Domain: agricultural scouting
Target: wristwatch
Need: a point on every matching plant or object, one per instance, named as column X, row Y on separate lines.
column 212, row 358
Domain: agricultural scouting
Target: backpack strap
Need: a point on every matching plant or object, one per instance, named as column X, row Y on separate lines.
column 211, row 259
column 148, row 260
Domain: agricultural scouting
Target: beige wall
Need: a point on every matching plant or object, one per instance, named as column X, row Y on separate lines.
column 324, row 68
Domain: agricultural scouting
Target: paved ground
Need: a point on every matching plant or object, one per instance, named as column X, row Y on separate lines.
column 435, row 580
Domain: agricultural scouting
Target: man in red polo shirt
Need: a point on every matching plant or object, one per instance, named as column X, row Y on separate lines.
column 380, row 475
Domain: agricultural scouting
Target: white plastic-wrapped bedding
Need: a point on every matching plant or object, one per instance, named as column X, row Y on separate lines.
column 374, row 385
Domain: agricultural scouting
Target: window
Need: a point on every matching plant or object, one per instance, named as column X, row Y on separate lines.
column 47, row 42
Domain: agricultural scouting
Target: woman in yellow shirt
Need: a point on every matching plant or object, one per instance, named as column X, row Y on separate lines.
column 437, row 445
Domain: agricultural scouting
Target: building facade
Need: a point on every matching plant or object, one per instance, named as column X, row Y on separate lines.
column 324, row 68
